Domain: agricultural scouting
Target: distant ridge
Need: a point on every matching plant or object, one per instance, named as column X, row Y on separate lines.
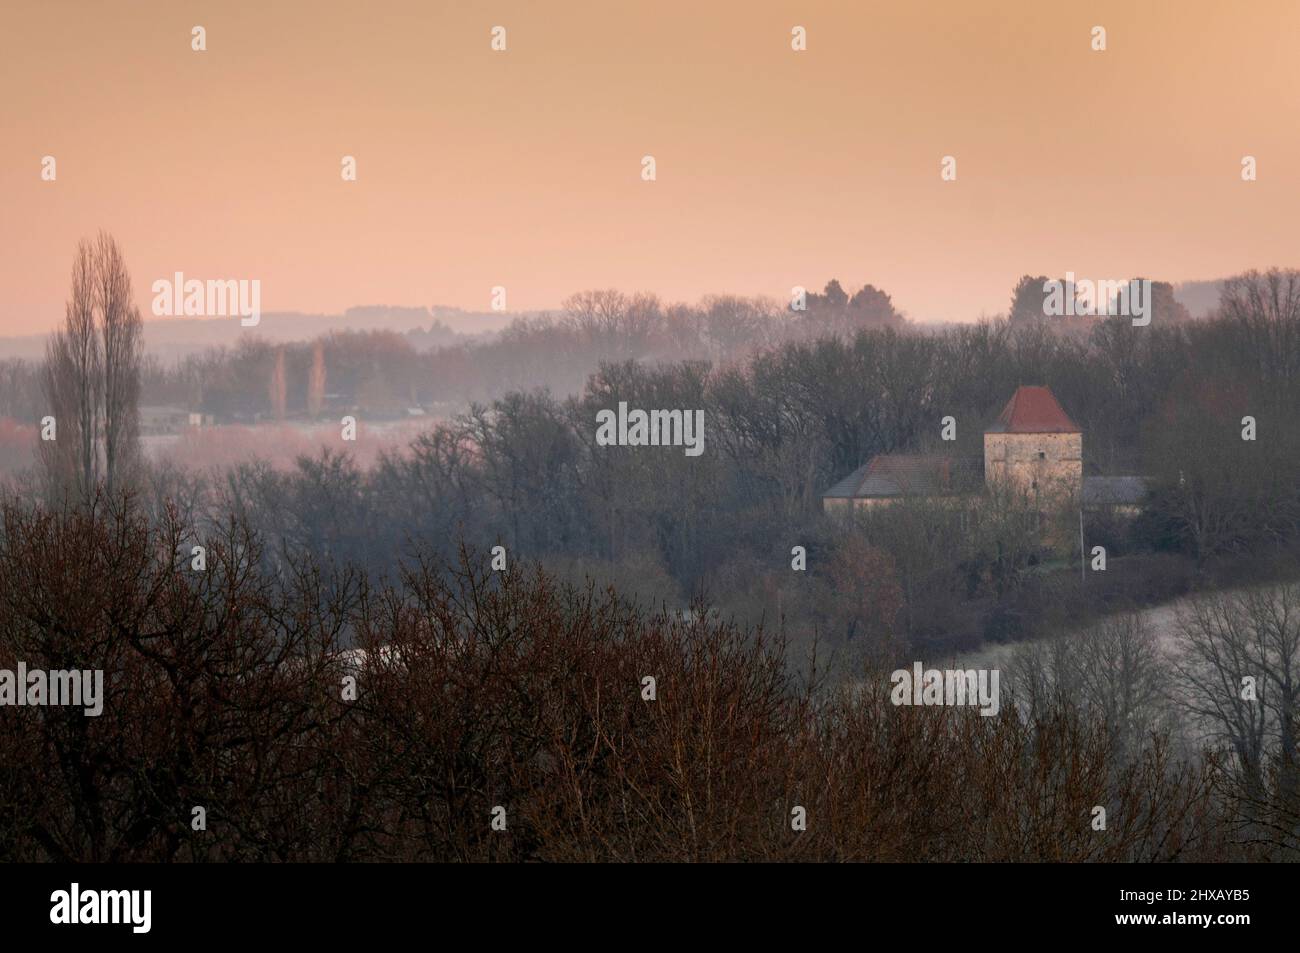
column 1198, row 297
column 1201, row 298
column 172, row 338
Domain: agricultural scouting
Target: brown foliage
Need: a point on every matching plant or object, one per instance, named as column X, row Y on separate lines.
column 479, row 689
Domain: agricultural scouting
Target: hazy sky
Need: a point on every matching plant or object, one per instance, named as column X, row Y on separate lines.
column 478, row 168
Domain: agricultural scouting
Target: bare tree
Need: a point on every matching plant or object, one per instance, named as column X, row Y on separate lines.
column 122, row 332
column 61, row 458
column 92, row 375
column 1239, row 676
column 73, row 371
column 1111, row 671
column 1265, row 309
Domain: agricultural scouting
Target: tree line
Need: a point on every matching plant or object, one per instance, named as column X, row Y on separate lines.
column 524, row 689
column 456, row 714
column 525, row 471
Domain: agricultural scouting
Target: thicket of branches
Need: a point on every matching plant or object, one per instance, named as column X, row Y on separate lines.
column 1166, row 401
column 91, row 378
column 477, row 690
column 382, row 373
column 228, row 686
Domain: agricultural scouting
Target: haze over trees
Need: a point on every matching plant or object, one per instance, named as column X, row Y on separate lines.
column 784, row 420
column 477, row 693
column 480, row 688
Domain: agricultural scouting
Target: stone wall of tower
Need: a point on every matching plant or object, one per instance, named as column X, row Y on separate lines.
column 1050, row 463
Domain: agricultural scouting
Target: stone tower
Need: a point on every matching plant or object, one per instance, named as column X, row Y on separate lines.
column 1035, row 446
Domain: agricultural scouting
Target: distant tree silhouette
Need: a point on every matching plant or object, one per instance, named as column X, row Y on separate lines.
column 1027, row 301
column 92, row 376
column 316, row 381
column 277, row 387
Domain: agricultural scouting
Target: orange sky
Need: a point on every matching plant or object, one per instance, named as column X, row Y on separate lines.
column 522, row 168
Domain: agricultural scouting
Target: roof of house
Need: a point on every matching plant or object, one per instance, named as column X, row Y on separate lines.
column 902, row 474
column 1033, row 410
column 1114, row 490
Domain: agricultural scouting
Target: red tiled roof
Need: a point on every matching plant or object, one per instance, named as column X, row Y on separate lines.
column 1033, row 410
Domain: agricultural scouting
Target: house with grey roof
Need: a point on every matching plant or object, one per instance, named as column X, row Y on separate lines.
column 893, row 476
column 1033, row 446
